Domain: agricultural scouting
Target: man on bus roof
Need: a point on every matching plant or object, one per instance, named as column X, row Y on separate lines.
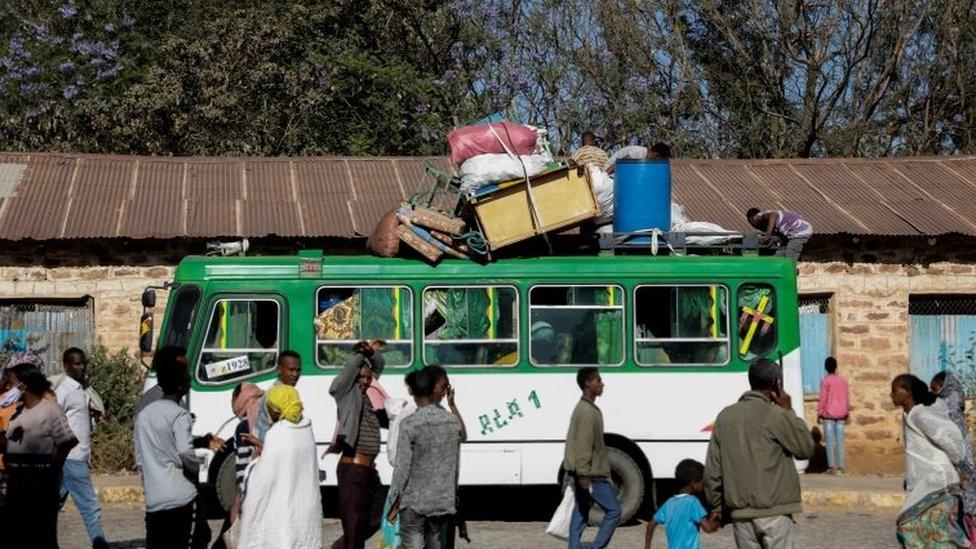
column 792, row 230
column 590, row 151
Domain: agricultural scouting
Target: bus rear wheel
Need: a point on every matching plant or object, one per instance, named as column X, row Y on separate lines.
column 628, row 480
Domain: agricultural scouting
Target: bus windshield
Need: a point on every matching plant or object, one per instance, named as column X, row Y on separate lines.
column 185, row 301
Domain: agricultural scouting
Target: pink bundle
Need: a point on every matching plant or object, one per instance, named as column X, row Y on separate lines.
column 501, row 137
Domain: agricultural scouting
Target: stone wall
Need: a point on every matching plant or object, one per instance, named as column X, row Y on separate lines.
column 113, row 274
column 870, row 282
column 114, row 284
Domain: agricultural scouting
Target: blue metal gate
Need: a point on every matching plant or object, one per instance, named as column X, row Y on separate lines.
column 941, row 339
column 45, row 328
column 815, row 340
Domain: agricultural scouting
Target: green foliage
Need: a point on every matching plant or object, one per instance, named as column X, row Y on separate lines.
column 716, row 78
column 201, row 78
column 117, row 378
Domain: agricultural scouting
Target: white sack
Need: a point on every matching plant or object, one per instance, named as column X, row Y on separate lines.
column 678, row 216
column 701, row 227
column 559, row 525
column 483, row 169
column 602, row 185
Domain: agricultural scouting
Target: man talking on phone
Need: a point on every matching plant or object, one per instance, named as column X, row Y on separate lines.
column 750, row 473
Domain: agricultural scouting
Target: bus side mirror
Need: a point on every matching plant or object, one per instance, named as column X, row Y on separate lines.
column 149, row 298
column 146, row 332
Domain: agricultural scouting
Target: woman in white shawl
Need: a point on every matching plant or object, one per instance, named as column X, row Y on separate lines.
column 282, row 504
column 930, row 516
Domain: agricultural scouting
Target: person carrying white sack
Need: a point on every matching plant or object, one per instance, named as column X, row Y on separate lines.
column 282, row 504
column 636, row 152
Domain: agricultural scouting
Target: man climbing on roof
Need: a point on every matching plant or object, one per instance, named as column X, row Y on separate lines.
column 792, row 230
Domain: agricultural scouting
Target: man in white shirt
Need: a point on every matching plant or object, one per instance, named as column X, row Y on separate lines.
column 76, row 480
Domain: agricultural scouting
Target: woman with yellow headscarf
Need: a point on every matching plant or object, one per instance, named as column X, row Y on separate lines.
column 282, row 504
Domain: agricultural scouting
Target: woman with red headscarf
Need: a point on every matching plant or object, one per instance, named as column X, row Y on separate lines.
column 246, row 402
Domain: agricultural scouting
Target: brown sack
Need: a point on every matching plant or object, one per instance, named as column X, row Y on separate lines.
column 384, row 241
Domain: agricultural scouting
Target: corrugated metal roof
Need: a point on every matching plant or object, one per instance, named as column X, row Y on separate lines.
column 267, row 217
column 94, row 196
column 98, row 188
column 10, row 176
column 210, row 218
column 156, row 206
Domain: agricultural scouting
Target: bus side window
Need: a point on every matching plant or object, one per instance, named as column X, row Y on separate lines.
column 243, row 338
column 757, row 321
column 576, row 325
column 681, row 325
column 346, row 315
column 471, row 325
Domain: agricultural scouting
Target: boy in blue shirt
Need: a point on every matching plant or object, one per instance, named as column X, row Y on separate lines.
column 682, row 514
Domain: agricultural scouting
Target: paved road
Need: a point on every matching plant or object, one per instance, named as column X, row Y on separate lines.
column 124, row 525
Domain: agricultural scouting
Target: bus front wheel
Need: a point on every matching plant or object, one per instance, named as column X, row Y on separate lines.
column 222, row 484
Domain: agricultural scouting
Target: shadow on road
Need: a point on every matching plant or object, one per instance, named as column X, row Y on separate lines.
column 516, row 503
column 508, row 503
column 127, row 544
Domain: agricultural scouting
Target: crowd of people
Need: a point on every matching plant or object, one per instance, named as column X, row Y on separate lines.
column 749, row 479
column 45, row 449
column 278, row 502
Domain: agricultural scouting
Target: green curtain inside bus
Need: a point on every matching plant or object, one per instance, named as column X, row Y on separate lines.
column 700, row 312
column 353, row 314
column 234, row 329
column 385, row 314
column 609, row 328
column 757, row 321
column 468, row 313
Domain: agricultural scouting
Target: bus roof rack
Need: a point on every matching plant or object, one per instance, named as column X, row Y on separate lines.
column 679, row 243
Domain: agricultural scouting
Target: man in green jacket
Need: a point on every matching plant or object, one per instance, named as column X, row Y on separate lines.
column 586, row 462
column 750, row 470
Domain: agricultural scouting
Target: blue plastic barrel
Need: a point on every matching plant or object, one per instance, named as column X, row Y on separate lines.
column 642, row 197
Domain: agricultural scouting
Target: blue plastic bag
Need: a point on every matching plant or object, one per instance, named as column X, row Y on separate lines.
column 390, row 532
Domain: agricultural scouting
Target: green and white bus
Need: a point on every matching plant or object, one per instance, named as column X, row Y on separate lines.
column 673, row 337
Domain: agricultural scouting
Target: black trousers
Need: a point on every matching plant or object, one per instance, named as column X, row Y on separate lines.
column 33, row 499
column 169, row 528
column 361, row 499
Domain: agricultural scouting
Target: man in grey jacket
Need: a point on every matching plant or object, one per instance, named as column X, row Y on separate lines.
column 358, row 443
column 750, row 471
column 587, row 462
